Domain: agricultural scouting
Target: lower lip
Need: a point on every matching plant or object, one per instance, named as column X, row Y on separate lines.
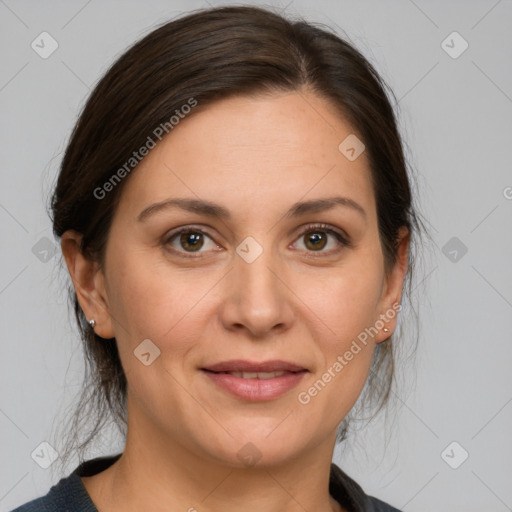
column 256, row 389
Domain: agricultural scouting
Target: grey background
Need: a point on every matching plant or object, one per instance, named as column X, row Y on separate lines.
column 456, row 117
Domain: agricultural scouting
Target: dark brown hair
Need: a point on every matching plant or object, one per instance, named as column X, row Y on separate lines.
column 208, row 55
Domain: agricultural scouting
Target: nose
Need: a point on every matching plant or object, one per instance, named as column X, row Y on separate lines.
column 257, row 298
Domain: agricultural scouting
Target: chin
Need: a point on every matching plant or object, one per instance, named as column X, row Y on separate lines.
column 259, row 447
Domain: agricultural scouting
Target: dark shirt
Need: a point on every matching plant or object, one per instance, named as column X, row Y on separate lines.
column 70, row 495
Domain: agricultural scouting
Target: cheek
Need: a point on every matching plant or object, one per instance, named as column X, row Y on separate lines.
column 344, row 300
column 344, row 309
column 151, row 300
column 340, row 308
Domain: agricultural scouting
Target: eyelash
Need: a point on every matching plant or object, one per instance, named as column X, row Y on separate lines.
column 343, row 240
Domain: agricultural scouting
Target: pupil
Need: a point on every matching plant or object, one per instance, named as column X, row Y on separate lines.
column 317, row 241
column 192, row 240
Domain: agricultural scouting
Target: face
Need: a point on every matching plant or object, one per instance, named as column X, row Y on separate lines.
column 246, row 237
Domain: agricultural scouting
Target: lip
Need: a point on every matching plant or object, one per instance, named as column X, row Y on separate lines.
column 255, row 390
column 241, row 365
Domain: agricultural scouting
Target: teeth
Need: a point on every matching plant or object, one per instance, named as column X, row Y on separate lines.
column 257, row 375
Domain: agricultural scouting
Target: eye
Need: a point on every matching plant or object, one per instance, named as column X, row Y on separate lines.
column 321, row 238
column 190, row 240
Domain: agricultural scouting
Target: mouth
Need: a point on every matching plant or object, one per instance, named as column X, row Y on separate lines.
column 253, row 375
column 255, row 381
column 242, row 366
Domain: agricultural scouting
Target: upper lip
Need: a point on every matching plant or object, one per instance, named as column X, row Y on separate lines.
column 239, row 365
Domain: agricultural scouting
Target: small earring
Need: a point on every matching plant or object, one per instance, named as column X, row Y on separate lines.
column 385, row 329
column 92, row 323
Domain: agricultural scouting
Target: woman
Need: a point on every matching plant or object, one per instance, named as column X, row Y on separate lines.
column 235, row 214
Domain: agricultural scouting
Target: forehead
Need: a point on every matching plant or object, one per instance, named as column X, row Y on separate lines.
column 254, row 152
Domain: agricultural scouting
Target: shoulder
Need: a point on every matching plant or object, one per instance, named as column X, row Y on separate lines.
column 68, row 495
column 38, row 505
column 376, row 505
column 351, row 495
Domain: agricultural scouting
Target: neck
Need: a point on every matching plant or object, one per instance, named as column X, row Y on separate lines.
column 155, row 473
column 139, row 481
column 202, row 486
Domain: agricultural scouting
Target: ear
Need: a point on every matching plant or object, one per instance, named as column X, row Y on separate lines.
column 392, row 289
column 89, row 283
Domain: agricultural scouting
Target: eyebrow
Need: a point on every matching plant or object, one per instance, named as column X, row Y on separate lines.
column 211, row 209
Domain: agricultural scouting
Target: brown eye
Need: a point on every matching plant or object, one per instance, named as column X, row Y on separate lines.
column 322, row 239
column 188, row 241
column 191, row 240
column 315, row 241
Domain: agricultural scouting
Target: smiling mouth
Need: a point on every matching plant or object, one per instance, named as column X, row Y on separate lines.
column 255, row 381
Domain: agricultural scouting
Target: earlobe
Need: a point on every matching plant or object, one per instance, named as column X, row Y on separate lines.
column 392, row 296
column 88, row 282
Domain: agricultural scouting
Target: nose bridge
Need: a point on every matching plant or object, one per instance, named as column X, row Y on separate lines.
column 257, row 299
column 257, row 278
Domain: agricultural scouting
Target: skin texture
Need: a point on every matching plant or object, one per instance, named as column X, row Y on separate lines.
column 256, row 157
